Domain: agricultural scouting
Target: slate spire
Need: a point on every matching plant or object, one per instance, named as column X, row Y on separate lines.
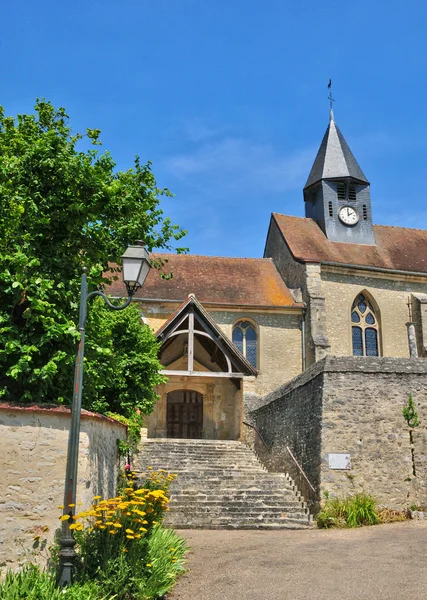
column 334, row 158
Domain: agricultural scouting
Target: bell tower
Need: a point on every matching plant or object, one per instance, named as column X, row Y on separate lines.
column 337, row 194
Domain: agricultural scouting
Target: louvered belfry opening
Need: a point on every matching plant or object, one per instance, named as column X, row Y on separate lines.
column 352, row 193
column 341, row 191
column 346, row 192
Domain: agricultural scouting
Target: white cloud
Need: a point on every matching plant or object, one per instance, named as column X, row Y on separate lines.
column 235, row 162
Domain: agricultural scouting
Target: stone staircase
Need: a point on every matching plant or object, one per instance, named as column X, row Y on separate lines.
column 222, row 485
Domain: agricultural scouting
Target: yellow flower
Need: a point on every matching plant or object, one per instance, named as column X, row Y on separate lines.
column 130, row 531
column 102, row 527
column 45, row 528
column 61, row 507
column 137, row 535
column 71, row 505
column 109, row 523
column 142, row 529
column 130, row 537
column 148, row 565
column 74, row 525
column 64, row 517
column 118, row 525
column 112, row 531
column 97, row 497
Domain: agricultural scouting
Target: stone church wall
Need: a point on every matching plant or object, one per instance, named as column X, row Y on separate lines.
column 307, row 278
column 279, row 348
column 340, row 289
column 348, row 405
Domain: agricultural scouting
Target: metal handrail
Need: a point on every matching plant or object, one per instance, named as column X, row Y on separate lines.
column 301, row 469
column 257, row 431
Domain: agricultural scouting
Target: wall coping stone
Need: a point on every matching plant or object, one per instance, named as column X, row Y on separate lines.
column 55, row 409
column 347, row 364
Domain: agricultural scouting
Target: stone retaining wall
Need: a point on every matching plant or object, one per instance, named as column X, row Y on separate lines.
column 33, row 448
column 348, row 406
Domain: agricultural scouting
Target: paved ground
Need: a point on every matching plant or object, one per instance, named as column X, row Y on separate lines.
column 386, row 562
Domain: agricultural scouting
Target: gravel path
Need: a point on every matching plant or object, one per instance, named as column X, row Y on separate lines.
column 386, row 562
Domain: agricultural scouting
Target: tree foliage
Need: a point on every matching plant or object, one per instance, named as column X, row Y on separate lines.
column 63, row 208
column 121, row 365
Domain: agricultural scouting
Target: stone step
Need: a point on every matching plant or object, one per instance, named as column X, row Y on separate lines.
column 239, row 514
column 213, row 500
column 181, row 522
column 222, row 484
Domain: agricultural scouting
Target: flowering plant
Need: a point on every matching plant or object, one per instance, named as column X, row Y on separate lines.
column 113, row 538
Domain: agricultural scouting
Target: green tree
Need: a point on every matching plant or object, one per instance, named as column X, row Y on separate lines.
column 121, row 364
column 62, row 208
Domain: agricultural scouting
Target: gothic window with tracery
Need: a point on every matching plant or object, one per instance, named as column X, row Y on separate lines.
column 245, row 340
column 364, row 328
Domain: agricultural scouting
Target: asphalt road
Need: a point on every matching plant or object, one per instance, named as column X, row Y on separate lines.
column 385, row 562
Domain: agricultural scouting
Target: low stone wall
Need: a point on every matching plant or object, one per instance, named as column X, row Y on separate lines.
column 33, row 449
column 348, row 406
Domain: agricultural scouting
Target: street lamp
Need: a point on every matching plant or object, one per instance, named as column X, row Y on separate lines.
column 136, row 265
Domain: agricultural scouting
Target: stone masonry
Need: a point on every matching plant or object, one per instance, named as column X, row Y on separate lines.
column 347, row 405
column 33, row 449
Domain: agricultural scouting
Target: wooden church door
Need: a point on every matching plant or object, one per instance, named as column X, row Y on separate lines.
column 184, row 414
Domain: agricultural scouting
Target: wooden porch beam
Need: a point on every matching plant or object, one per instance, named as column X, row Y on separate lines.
column 201, row 373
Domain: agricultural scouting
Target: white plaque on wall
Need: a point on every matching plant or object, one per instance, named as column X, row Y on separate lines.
column 340, row 461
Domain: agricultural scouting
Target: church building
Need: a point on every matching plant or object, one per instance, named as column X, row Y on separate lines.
column 332, row 283
column 309, row 354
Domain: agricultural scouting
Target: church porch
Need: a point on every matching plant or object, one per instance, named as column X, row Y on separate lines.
column 202, row 397
column 197, row 408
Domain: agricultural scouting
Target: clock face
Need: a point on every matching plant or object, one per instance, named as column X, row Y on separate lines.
column 348, row 215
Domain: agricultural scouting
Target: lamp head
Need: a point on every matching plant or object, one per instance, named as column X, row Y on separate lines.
column 136, row 265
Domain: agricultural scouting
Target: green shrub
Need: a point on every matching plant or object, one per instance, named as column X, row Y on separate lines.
column 32, row 584
column 166, row 554
column 352, row 511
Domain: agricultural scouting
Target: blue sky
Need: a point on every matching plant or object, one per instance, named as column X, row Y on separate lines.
column 228, row 98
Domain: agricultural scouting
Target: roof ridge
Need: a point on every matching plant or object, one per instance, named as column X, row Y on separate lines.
column 405, row 228
column 293, row 216
column 209, row 256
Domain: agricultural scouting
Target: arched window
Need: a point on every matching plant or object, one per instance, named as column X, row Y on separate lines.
column 245, row 340
column 364, row 328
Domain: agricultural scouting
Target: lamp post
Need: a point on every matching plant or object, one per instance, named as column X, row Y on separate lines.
column 136, row 265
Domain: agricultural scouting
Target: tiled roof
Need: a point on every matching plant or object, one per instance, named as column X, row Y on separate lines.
column 397, row 248
column 216, row 280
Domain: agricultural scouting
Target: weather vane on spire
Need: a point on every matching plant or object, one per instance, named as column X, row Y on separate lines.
column 330, row 93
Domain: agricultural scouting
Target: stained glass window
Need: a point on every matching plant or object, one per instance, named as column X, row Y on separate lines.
column 365, row 336
column 245, row 339
column 371, row 342
column 357, row 341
